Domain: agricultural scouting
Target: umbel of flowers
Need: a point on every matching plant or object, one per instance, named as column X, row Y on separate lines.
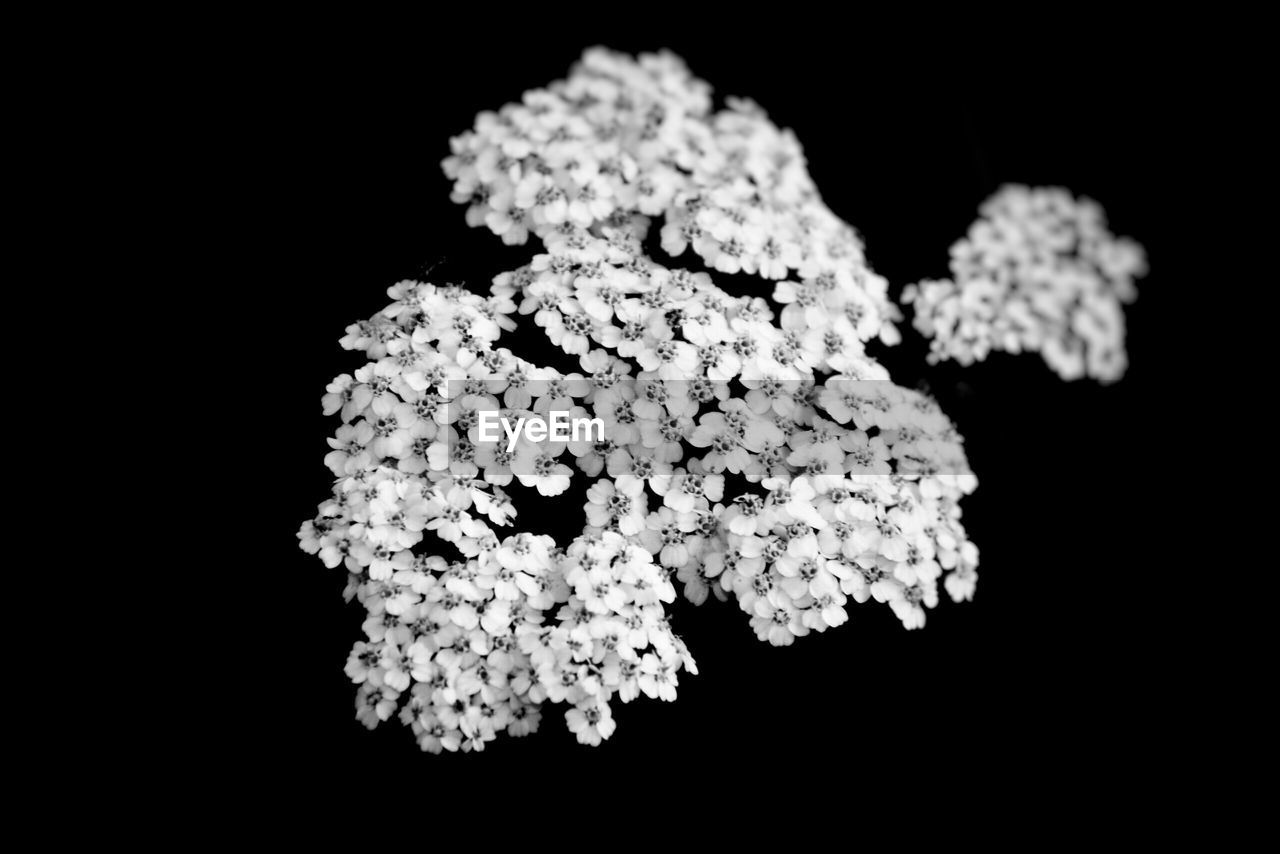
column 1039, row 271
column 752, row 450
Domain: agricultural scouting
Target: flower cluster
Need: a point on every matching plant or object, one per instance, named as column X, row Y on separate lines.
column 624, row 141
column 751, row 449
column 461, row 648
column 1039, row 271
column 850, row 489
column 870, row 471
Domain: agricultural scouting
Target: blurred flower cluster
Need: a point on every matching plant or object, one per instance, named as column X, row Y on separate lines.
column 753, row 451
column 1039, row 271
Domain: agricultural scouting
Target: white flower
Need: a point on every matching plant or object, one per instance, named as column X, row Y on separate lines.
column 684, row 491
column 591, row 721
column 375, row 704
column 804, row 570
column 622, row 506
column 657, row 678
column 794, row 500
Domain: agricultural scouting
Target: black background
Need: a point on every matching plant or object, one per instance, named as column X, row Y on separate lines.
column 1041, row 678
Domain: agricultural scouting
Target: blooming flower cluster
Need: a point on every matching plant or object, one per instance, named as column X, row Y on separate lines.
column 844, row 461
column 850, row 490
column 752, row 450
column 629, row 140
column 1038, row 271
column 463, row 650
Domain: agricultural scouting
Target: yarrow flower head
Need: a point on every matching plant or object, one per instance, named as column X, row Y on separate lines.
column 746, row 451
column 1039, row 271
